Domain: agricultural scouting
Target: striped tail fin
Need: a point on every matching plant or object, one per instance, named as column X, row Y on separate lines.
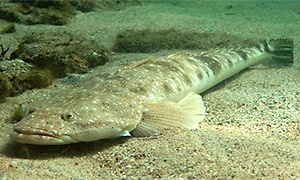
column 281, row 51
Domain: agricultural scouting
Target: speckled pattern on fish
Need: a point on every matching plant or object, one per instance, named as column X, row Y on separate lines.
column 143, row 98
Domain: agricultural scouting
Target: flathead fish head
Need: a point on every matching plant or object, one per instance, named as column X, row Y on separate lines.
column 78, row 117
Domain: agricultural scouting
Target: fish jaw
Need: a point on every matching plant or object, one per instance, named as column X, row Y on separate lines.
column 42, row 137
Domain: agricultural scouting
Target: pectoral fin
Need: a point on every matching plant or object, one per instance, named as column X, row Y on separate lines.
column 159, row 115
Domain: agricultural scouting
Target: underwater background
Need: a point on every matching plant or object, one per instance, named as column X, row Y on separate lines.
column 252, row 127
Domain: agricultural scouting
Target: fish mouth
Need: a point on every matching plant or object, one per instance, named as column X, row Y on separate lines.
column 39, row 137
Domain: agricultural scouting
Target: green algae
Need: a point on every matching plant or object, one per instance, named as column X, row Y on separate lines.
column 33, row 79
column 5, row 87
column 10, row 28
column 55, row 12
column 147, row 40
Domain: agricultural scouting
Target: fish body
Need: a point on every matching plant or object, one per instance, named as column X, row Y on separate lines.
column 142, row 98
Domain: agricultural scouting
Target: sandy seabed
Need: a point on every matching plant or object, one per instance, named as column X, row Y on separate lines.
column 252, row 127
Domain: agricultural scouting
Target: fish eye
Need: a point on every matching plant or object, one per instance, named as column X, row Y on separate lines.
column 67, row 116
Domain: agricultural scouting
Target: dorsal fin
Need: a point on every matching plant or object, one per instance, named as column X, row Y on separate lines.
column 143, row 62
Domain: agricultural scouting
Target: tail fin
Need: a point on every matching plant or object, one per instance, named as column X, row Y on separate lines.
column 281, row 51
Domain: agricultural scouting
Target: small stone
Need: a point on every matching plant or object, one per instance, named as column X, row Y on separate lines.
column 2, row 68
column 14, row 164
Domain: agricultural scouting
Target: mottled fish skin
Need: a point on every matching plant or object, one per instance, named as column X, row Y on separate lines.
column 110, row 104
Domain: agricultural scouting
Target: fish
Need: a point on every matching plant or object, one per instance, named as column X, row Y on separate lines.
column 142, row 98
